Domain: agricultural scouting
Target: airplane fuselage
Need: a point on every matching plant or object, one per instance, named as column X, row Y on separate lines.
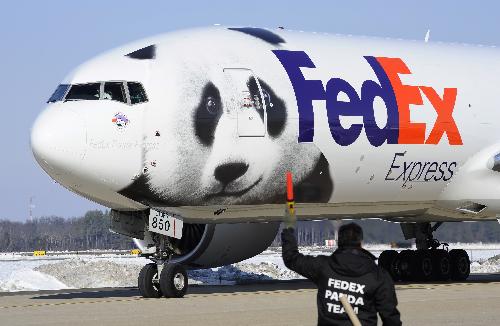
column 369, row 127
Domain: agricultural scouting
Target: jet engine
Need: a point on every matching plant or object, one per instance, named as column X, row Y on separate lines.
column 202, row 245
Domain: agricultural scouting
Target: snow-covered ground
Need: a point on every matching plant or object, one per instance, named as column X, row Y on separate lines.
column 60, row 271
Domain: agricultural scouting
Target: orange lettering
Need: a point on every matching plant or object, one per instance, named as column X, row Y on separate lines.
column 409, row 132
column 444, row 122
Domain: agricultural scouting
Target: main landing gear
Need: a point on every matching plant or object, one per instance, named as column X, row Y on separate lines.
column 428, row 262
column 162, row 278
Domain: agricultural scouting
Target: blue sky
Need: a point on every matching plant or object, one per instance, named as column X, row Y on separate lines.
column 41, row 41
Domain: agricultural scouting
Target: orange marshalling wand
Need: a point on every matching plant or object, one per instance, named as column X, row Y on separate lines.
column 290, row 201
column 289, row 186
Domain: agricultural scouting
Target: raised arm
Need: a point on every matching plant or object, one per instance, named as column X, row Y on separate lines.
column 307, row 266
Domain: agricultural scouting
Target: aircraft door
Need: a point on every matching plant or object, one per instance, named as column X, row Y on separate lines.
column 245, row 102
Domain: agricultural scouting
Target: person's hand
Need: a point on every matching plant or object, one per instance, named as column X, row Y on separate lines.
column 290, row 218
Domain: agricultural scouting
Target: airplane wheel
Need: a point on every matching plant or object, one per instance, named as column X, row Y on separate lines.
column 386, row 260
column 396, row 268
column 408, row 265
column 460, row 264
column 173, row 281
column 423, row 265
column 441, row 264
column 147, row 287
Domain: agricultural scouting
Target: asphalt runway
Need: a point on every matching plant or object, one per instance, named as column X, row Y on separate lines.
column 474, row 302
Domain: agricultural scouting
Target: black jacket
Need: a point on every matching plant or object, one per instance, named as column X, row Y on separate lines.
column 350, row 271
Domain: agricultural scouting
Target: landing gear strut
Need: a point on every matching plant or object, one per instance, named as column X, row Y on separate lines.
column 428, row 262
column 162, row 278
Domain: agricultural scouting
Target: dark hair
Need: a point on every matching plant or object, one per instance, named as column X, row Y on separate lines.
column 350, row 235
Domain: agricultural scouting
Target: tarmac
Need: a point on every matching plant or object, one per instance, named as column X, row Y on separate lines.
column 473, row 302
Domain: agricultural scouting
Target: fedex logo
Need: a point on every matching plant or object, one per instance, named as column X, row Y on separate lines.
column 399, row 128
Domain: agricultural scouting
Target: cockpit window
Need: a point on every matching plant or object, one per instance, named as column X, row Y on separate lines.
column 496, row 163
column 137, row 93
column 120, row 91
column 114, row 91
column 84, row 92
column 59, row 93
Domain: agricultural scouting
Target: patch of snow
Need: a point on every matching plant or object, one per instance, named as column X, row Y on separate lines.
column 491, row 265
column 28, row 279
column 93, row 273
column 270, row 270
column 82, row 273
column 72, row 270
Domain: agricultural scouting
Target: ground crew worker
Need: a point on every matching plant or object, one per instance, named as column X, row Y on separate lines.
column 350, row 271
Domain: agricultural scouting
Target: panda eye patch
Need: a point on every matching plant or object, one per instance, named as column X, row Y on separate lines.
column 207, row 114
column 275, row 107
column 255, row 94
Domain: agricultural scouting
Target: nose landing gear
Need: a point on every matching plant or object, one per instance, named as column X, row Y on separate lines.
column 428, row 262
column 162, row 278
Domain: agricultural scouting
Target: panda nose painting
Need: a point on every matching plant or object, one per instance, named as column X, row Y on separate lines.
column 232, row 181
column 227, row 173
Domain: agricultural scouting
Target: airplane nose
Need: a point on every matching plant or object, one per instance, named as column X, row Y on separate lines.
column 58, row 140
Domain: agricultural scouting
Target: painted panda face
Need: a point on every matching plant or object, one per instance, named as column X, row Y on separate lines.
column 201, row 157
column 237, row 165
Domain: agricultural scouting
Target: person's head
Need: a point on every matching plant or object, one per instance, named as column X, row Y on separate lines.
column 350, row 235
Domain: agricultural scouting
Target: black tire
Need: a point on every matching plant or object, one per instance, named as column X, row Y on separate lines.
column 396, row 268
column 407, row 265
column 441, row 265
column 173, row 281
column 386, row 260
column 460, row 264
column 147, row 287
column 423, row 267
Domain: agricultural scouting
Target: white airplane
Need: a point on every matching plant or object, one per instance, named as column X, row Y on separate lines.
column 187, row 138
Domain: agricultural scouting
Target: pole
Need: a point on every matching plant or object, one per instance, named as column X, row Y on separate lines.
column 31, row 209
column 350, row 312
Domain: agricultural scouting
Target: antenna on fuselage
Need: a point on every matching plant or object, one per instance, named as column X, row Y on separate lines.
column 427, row 36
